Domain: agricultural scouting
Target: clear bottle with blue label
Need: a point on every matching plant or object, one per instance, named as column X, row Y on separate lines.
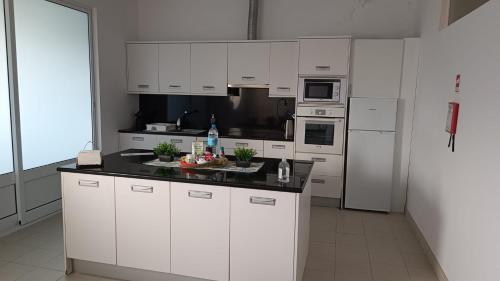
column 213, row 136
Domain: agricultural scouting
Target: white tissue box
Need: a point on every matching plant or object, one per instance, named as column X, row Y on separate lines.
column 89, row 158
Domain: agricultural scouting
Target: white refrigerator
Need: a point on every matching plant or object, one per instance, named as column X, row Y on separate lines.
column 370, row 153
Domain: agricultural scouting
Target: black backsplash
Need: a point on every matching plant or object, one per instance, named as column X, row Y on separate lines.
column 243, row 108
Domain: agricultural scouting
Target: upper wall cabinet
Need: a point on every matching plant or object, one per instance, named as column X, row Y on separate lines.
column 324, row 57
column 209, row 69
column 174, row 68
column 284, row 69
column 142, row 68
column 377, row 65
column 248, row 63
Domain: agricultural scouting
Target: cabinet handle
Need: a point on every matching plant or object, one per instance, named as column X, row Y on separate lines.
column 318, row 159
column 174, row 86
column 262, row 201
column 278, row 146
column 140, row 188
column 88, row 183
column 200, row 194
column 248, row 77
column 241, row 144
column 176, row 141
column 323, row 67
column 138, row 138
column 318, row 181
column 283, row 89
column 143, row 86
column 208, row 87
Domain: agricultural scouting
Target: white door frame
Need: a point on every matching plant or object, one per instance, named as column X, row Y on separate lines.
column 20, row 177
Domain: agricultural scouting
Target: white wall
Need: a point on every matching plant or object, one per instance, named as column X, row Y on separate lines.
column 454, row 197
column 117, row 23
column 227, row 19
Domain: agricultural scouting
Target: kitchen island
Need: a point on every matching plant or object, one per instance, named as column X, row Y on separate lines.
column 132, row 221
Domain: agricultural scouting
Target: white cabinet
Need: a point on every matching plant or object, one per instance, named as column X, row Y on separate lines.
column 231, row 144
column 326, row 175
column 376, row 70
column 174, row 68
column 143, row 224
column 324, row 164
column 89, row 217
column 184, row 143
column 262, row 235
column 326, row 186
column 142, row 68
column 209, row 69
column 200, row 230
column 137, row 141
column 278, row 149
column 329, row 56
column 284, row 69
column 248, row 63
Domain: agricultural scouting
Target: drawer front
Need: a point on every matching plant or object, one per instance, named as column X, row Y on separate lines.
column 323, row 186
column 143, row 205
column 262, row 235
column 235, row 143
column 200, row 231
column 324, row 165
column 137, row 141
column 278, row 149
column 230, row 151
column 89, row 217
column 182, row 142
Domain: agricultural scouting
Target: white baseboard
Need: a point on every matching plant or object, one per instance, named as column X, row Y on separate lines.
column 427, row 249
column 126, row 273
column 41, row 212
column 8, row 225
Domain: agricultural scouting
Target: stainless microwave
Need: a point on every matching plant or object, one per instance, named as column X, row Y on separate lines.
column 332, row 90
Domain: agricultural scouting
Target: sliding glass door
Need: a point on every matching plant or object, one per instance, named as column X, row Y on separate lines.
column 7, row 179
column 55, row 96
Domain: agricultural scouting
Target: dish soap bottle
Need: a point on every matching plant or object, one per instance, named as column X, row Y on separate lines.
column 284, row 171
column 213, row 136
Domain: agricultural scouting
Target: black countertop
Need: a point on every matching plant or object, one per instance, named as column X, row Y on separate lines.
column 234, row 133
column 264, row 179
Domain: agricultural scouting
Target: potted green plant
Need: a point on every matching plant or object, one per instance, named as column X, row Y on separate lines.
column 166, row 152
column 243, row 156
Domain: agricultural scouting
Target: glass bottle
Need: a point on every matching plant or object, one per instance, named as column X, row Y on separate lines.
column 213, row 136
column 284, row 171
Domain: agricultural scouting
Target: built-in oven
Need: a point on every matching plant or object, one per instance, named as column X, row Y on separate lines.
column 331, row 90
column 320, row 130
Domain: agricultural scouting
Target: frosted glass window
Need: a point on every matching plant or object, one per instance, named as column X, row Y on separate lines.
column 54, row 72
column 5, row 129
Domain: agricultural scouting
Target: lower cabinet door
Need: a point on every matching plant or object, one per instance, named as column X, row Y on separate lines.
column 200, row 230
column 89, row 217
column 143, row 224
column 262, row 235
column 137, row 141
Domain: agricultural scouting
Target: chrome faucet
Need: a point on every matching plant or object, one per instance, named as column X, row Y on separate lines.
column 182, row 117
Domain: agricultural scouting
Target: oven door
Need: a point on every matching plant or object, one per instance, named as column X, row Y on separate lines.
column 320, row 135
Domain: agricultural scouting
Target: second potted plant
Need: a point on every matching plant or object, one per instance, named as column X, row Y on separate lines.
column 166, row 152
column 243, row 156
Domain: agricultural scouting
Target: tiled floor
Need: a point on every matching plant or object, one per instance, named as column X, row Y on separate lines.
column 36, row 254
column 345, row 246
column 360, row 246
